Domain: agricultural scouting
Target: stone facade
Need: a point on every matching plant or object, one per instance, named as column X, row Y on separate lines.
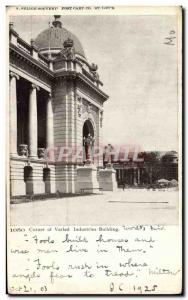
column 107, row 178
column 55, row 99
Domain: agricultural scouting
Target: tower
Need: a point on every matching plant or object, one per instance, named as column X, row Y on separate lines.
column 68, row 98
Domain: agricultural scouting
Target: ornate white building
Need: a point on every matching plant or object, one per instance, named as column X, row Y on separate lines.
column 56, row 103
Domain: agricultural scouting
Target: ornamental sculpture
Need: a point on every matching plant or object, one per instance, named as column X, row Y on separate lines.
column 23, row 150
column 41, row 153
column 67, row 52
column 108, row 156
column 79, row 106
column 93, row 70
column 88, row 146
column 88, row 108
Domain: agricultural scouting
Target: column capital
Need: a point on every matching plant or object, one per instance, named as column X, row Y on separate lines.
column 34, row 86
column 49, row 95
column 12, row 74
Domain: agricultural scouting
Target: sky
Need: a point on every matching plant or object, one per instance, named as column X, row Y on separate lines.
column 138, row 70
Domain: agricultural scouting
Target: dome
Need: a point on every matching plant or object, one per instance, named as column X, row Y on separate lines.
column 54, row 38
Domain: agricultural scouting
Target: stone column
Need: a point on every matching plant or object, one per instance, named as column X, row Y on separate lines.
column 138, row 176
column 49, row 124
column 13, row 113
column 130, row 176
column 33, row 139
column 125, row 176
column 134, row 177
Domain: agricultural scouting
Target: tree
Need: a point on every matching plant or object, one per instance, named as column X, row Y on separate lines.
column 151, row 160
column 151, row 157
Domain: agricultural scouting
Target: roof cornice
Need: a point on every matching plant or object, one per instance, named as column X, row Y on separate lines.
column 78, row 76
column 51, row 74
column 22, row 54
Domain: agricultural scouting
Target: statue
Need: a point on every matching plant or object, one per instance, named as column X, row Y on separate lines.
column 108, row 157
column 93, row 70
column 68, row 51
column 88, row 145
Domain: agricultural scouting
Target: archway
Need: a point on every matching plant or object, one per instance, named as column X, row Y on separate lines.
column 46, row 179
column 88, row 128
column 88, row 141
column 28, row 178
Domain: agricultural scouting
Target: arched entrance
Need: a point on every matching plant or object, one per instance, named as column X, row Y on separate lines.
column 28, row 178
column 46, row 179
column 88, row 128
column 88, row 141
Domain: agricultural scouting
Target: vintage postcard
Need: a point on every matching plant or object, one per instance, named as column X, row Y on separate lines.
column 94, row 175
